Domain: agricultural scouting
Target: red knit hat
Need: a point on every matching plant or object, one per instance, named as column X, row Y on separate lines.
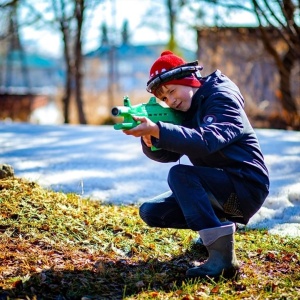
column 168, row 60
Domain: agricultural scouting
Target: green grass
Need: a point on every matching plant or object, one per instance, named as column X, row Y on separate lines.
column 60, row 246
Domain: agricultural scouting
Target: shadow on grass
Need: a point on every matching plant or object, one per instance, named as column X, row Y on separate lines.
column 107, row 279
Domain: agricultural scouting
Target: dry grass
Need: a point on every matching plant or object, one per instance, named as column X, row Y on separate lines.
column 60, row 246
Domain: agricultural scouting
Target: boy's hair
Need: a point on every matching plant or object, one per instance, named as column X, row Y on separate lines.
column 158, row 91
column 168, row 60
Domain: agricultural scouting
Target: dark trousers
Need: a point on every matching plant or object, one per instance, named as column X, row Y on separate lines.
column 195, row 201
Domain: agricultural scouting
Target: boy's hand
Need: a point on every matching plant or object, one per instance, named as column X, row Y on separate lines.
column 146, row 129
column 147, row 140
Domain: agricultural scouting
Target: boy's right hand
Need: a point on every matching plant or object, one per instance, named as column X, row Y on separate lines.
column 145, row 128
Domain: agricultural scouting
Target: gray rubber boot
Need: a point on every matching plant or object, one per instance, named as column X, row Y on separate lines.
column 222, row 260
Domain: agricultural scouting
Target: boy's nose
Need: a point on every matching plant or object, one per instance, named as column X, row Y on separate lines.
column 172, row 101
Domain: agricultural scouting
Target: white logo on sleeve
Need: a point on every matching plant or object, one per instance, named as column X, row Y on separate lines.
column 209, row 119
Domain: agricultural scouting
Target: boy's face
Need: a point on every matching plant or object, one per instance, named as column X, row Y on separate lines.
column 178, row 97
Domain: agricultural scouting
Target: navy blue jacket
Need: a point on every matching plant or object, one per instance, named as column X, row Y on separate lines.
column 217, row 133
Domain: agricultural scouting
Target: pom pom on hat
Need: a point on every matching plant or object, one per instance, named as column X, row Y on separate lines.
column 165, row 62
column 168, row 60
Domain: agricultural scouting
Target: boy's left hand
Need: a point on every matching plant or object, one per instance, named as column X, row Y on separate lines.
column 146, row 128
column 147, row 140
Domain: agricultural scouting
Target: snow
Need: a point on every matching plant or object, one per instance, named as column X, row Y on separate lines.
column 101, row 163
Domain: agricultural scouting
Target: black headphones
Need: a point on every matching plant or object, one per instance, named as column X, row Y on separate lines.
column 174, row 73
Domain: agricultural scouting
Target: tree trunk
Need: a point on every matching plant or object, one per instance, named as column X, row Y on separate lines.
column 79, row 11
column 172, row 19
column 60, row 16
column 286, row 62
column 287, row 101
column 68, row 89
column 67, row 97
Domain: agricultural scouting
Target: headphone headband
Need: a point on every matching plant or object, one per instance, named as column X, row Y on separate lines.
column 174, row 73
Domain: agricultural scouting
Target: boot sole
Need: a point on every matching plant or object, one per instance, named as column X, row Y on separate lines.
column 232, row 273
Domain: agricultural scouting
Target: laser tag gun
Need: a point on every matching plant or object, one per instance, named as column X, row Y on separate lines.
column 151, row 110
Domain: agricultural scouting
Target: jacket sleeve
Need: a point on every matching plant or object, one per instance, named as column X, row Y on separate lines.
column 207, row 137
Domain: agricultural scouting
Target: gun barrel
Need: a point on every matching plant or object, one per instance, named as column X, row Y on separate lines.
column 115, row 111
column 119, row 110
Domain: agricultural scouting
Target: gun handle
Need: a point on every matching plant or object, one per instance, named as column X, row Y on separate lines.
column 123, row 126
column 126, row 125
column 154, row 148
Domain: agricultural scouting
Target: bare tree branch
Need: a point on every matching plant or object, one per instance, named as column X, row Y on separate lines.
column 8, row 4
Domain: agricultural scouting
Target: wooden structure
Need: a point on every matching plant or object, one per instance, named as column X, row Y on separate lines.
column 19, row 107
column 240, row 54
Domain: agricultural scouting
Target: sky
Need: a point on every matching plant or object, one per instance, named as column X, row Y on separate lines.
column 101, row 163
column 142, row 17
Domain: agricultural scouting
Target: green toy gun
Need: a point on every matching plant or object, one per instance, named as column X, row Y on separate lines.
column 151, row 110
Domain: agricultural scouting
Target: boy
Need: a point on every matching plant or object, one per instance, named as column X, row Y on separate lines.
column 227, row 181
